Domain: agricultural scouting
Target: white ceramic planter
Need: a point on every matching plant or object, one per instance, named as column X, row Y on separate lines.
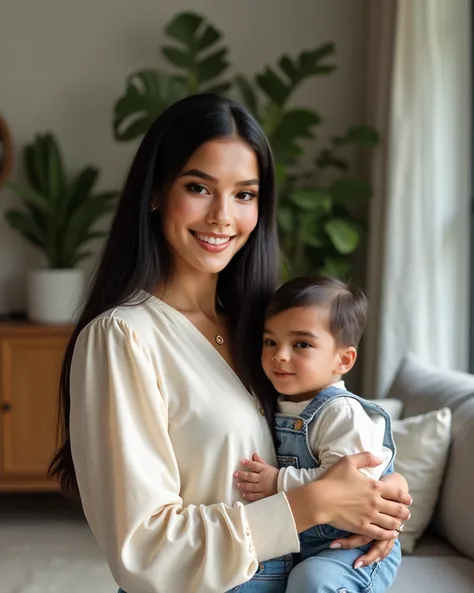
column 53, row 296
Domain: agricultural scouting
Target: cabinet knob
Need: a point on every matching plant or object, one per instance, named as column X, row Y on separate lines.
column 6, row 407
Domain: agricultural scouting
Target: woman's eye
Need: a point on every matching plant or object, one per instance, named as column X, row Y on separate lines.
column 196, row 188
column 302, row 345
column 246, row 196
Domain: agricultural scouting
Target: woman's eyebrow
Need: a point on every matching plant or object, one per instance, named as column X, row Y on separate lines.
column 207, row 177
column 198, row 173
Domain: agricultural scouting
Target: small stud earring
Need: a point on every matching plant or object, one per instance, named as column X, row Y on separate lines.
column 153, row 207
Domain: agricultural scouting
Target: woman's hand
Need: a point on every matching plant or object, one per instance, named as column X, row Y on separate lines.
column 353, row 502
column 379, row 549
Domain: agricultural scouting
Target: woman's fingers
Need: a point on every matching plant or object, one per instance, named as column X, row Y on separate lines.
column 395, row 488
column 386, row 521
column 378, row 551
column 365, row 459
column 396, row 510
column 348, row 543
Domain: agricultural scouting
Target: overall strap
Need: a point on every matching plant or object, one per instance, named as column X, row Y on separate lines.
column 320, row 400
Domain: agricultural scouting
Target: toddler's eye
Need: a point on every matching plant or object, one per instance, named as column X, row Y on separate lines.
column 268, row 342
column 302, row 345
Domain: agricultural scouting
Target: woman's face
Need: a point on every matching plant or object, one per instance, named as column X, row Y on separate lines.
column 212, row 206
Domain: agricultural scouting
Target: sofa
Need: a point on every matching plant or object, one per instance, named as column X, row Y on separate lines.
column 443, row 558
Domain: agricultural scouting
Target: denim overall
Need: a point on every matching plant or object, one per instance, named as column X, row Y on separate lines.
column 293, row 449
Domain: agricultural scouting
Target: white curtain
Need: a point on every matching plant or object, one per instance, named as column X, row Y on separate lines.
column 423, row 276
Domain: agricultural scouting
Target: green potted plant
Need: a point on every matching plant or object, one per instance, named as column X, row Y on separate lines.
column 57, row 215
column 317, row 212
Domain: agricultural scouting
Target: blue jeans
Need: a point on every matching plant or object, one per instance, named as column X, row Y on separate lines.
column 332, row 571
column 271, row 577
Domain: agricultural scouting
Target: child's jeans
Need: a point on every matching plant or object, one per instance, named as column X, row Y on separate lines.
column 271, row 577
column 332, row 571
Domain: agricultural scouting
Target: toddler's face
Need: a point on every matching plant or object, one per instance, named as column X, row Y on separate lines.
column 299, row 355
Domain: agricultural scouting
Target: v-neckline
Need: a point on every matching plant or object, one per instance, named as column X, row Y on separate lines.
column 189, row 325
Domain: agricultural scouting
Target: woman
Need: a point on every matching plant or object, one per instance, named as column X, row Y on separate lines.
column 156, row 383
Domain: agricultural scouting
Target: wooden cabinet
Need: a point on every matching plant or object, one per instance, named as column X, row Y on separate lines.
column 30, row 362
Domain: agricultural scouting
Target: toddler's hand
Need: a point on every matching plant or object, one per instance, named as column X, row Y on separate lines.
column 259, row 480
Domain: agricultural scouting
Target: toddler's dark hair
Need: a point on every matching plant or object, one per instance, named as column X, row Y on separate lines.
column 347, row 305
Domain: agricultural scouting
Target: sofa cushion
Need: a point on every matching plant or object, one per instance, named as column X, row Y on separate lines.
column 423, row 387
column 422, row 449
column 393, row 407
column 454, row 518
column 434, row 575
column 433, row 545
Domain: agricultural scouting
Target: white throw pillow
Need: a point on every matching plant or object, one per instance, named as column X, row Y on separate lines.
column 422, row 444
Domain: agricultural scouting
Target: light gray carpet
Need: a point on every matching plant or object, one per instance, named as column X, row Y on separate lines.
column 46, row 547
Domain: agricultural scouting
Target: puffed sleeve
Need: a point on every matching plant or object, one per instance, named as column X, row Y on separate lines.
column 129, row 480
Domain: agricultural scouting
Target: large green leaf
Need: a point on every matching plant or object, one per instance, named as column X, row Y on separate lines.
column 273, row 86
column 309, row 228
column 286, row 220
column 293, row 126
column 56, row 176
column 328, row 159
column 359, row 136
column 184, row 26
column 248, row 94
column 35, row 172
column 344, row 234
column 278, row 86
column 307, row 63
column 176, row 56
column 312, row 199
column 349, row 190
column 25, row 225
column 31, row 196
column 148, row 93
column 297, row 123
column 82, row 187
column 336, row 267
column 212, row 65
column 197, row 53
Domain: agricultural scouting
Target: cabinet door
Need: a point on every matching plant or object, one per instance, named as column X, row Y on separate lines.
column 29, row 385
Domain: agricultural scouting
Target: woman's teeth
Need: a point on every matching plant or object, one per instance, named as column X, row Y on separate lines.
column 213, row 240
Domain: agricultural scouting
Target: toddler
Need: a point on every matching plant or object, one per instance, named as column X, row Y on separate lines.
column 312, row 330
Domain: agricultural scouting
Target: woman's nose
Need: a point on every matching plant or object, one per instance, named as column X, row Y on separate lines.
column 220, row 212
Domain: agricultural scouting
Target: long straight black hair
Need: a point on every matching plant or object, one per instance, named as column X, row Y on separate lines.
column 136, row 257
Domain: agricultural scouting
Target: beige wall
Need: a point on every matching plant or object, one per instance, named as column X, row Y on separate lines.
column 63, row 64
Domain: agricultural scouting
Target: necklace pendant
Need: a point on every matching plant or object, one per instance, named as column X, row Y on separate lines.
column 219, row 339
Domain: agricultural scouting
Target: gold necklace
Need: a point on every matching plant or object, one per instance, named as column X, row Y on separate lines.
column 219, row 339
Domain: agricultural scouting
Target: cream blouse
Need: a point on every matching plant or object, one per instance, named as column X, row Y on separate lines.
column 159, row 422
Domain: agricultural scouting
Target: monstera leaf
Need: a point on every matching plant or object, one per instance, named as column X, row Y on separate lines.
column 198, row 61
column 278, row 86
column 148, row 93
column 196, row 53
